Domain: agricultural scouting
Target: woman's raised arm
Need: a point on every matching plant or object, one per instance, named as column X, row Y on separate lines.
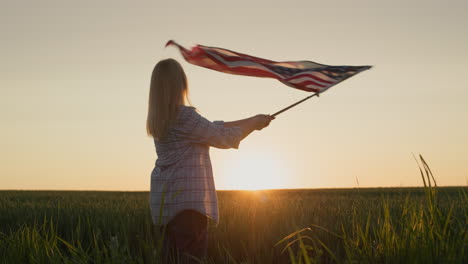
column 219, row 134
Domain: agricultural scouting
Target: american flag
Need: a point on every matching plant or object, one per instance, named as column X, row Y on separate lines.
column 304, row 75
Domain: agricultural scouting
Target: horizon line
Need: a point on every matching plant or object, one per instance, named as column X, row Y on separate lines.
column 250, row 190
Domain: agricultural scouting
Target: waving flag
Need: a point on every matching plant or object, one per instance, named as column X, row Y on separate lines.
column 304, row 75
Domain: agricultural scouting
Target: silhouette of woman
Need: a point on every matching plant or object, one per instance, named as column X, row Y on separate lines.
column 183, row 196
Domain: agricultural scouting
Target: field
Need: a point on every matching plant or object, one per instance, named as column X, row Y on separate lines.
column 379, row 225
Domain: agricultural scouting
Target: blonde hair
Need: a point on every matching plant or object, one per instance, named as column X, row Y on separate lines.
column 168, row 90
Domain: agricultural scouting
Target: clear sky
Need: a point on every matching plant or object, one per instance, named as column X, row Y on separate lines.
column 74, row 80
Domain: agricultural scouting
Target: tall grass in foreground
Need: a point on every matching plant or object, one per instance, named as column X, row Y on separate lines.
column 421, row 233
column 75, row 227
column 379, row 225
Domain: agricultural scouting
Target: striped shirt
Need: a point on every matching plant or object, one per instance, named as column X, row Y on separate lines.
column 182, row 177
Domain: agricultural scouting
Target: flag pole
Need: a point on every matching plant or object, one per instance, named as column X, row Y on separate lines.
column 308, row 97
column 291, row 106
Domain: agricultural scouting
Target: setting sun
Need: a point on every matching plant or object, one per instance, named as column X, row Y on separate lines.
column 256, row 171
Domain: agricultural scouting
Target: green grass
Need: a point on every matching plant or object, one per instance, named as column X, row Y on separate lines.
column 365, row 225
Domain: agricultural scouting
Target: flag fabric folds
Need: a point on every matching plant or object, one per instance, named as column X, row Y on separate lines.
column 304, row 75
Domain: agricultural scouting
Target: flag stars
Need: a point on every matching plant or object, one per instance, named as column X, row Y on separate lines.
column 284, row 70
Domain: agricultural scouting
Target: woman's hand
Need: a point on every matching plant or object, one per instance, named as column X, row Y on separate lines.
column 262, row 121
column 250, row 124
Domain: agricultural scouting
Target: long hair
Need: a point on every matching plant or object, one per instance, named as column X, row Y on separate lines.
column 168, row 90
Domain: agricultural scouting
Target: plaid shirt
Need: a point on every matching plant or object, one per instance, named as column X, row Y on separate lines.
column 183, row 177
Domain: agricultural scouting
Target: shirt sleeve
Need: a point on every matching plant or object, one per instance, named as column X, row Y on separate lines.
column 219, row 123
column 197, row 129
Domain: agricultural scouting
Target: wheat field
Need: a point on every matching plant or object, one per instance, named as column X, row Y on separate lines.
column 362, row 225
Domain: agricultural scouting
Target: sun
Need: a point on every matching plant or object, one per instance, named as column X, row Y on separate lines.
column 256, row 171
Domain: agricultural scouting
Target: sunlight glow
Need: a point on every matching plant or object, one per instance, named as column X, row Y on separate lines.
column 256, row 171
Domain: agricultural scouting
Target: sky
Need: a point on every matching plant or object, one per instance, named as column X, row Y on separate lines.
column 74, row 84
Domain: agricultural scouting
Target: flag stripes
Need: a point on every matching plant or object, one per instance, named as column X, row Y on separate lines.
column 304, row 75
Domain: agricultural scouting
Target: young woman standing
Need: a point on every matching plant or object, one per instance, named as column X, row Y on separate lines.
column 183, row 195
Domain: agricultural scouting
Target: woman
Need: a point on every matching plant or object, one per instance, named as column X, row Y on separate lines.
column 183, row 196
